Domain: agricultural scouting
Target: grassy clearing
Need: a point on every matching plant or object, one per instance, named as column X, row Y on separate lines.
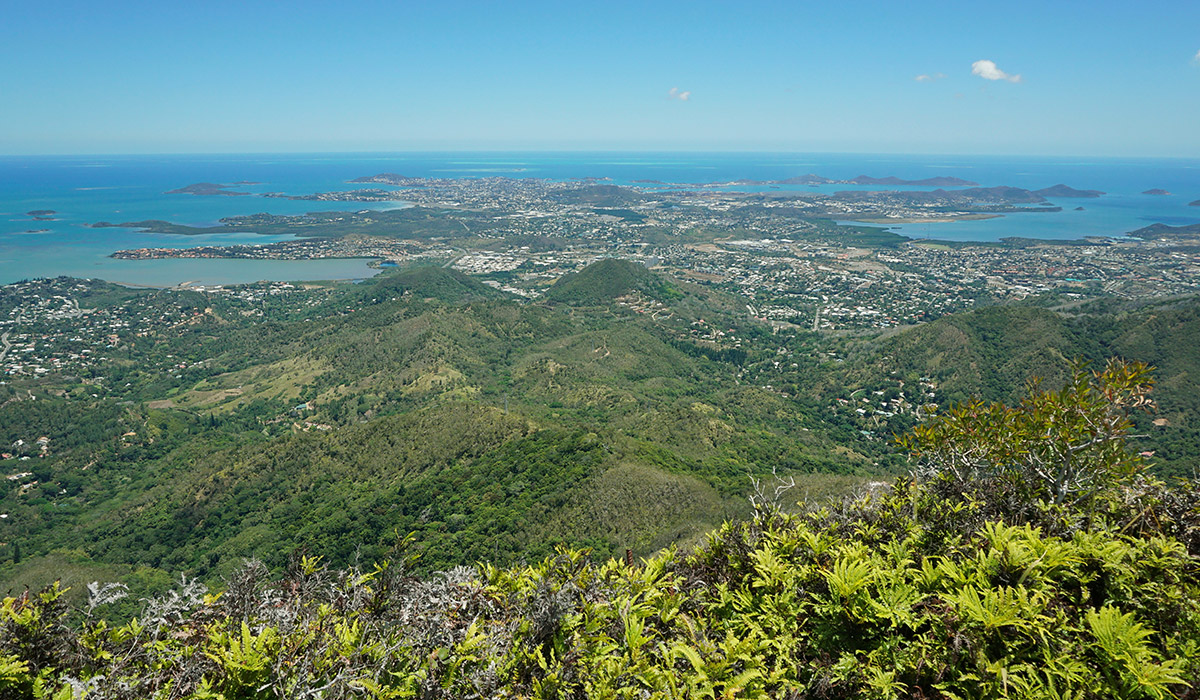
column 282, row 380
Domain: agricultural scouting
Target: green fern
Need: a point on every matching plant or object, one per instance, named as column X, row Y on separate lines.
column 1125, row 644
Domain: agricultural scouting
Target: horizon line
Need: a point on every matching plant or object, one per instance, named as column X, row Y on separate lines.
column 542, row 150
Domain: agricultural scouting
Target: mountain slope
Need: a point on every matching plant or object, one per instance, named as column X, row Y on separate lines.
column 987, row 353
column 420, row 402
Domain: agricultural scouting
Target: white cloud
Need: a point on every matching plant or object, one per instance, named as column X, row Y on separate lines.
column 989, row 71
column 677, row 94
column 927, row 78
column 1196, row 58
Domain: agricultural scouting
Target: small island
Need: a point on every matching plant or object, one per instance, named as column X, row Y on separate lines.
column 1062, row 191
column 209, row 189
column 1157, row 192
column 1194, row 204
column 40, row 212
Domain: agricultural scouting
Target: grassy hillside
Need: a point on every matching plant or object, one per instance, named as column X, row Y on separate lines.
column 427, row 282
column 991, row 352
column 419, row 403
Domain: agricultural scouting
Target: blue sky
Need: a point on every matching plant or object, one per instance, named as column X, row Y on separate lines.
column 1095, row 78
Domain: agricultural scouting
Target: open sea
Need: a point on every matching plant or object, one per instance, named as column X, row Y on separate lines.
column 86, row 189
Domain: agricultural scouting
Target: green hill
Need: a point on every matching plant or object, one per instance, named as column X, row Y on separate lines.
column 492, row 428
column 469, row 481
column 430, row 282
column 991, row 352
column 606, row 280
column 600, row 196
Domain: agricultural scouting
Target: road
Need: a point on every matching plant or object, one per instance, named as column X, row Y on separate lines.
column 5, row 341
column 456, row 258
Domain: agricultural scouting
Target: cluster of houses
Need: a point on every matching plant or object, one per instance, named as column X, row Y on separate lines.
column 23, row 449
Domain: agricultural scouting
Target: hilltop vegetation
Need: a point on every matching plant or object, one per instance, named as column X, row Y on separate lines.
column 600, row 196
column 604, row 281
column 431, row 283
column 991, row 353
column 950, row 585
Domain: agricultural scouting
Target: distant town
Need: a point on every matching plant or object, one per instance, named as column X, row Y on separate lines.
column 779, row 249
column 780, row 252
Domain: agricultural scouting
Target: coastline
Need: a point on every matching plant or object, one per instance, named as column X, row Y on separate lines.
column 82, row 196
column 910, row 220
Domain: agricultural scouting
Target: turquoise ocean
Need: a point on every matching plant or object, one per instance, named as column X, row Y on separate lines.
column 83, row 190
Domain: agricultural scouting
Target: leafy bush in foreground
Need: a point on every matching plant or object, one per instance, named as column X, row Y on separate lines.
column 778, row 606
column 929, row 590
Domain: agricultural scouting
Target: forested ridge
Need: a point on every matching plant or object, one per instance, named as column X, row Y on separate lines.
column 1028, row 555
column 421, row 402
column 368, row 412
column 425, row 413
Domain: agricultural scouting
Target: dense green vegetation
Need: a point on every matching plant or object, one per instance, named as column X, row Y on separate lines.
column 991, row 352
column 608, row 279
column 600, row 196
column 422, row 402
column 977, row 579
column 623, row 412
